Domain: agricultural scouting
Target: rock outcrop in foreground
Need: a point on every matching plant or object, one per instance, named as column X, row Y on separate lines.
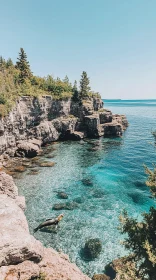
column 49, row 120
column 22, row 257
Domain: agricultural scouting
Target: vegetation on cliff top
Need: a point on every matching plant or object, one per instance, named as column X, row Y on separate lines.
column 17, row 80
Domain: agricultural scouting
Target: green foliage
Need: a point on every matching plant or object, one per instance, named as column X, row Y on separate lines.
column 154, row 135
column 141, row 241
column 23, row 66
column 17, row 80
column 151, row 182
column 141, row 237
column 75, row 92
column 9, row 63
column 84, row 86
column 2, row 64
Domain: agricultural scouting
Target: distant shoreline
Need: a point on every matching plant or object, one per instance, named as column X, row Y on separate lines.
column 128, row 99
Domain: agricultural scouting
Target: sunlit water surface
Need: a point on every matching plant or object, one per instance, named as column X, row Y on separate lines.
column 116, row 175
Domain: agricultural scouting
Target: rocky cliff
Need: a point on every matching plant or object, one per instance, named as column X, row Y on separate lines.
column 49, row 120
column 32, row 123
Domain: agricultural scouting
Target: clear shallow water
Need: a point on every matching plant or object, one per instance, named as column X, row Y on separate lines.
column 117, row 182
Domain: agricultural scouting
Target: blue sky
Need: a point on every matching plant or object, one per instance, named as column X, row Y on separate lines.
column 113, row 40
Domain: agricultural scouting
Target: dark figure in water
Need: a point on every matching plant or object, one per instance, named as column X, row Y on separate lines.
column 50, row 222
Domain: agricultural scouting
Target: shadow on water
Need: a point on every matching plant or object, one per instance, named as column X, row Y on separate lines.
column 138, row 197
column 49, row 230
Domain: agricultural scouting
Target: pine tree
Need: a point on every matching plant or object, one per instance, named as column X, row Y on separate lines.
column 66, row 80
column 9, row 63
column 2, row 63
column 75, row 92
column 84, row 86
column 23, row 65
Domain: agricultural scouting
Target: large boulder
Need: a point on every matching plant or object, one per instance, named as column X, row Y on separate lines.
column 92, row 248
column 7, row 185
column 121, row 119
column 62, row 195
column 105, row 116
column 46, row 131
column 16, row 244
column 112, row 129
column 92, row 125
column 71, row 205
column 26, row 270
column 53, row 266
column 27, row 149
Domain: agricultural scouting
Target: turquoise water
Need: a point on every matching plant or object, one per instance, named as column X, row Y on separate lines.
column 108, row 179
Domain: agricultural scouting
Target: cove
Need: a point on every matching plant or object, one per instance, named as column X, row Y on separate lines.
column 107, row 174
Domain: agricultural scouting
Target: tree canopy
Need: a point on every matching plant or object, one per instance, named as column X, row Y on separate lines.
column 84, row 86
column 17, row 80
column 23, row 66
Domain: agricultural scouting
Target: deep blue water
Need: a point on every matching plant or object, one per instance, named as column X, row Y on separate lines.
column 117, row 181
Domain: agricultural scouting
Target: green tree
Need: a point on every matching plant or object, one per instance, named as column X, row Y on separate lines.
column 141, row 237
column 66, row 79
column 2, row 63
column 23, row 66
column 75, row 92
column 84, row 86
column 9, row 63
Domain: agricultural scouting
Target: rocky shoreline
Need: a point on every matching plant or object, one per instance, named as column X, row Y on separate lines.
column 21, row 255
column 33, row 123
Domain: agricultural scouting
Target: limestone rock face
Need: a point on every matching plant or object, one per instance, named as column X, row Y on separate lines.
column 58, row 266
column 7, row 185
column 24, row 271
column 27, row 149
column 45, row 120
column 105, row 116
column 16, row 244
column 53, row 266
column 92, row 124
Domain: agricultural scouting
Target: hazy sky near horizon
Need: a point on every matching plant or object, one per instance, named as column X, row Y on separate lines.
column 113, row 40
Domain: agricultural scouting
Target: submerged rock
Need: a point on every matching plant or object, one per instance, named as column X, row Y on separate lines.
column 33, row 172
column 98, row 193
column 79, row 200
column 46, row 164
column 92, row 248
column 19, row 168
column 87, row 182
column 50, row 156
column 62, row 195
column 65, row 206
